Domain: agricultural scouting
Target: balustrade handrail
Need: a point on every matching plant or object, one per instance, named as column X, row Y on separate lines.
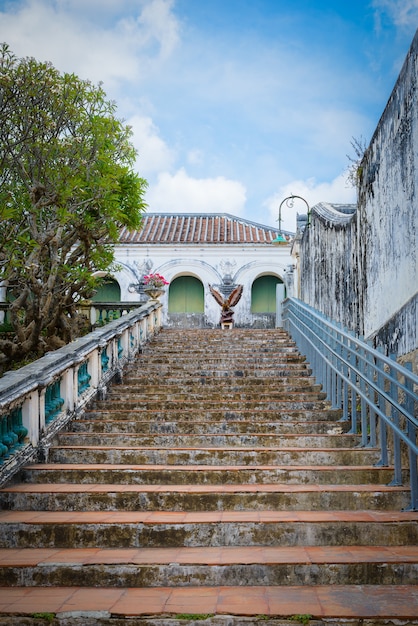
column 37, row 400
column 376, row 393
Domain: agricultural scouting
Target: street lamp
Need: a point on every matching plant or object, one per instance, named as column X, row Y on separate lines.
column 290, row 200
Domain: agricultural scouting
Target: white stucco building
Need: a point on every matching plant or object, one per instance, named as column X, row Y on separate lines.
column 193, row 251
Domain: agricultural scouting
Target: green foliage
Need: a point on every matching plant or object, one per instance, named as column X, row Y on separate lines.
column 6, row 327
column 304, row 619
column 194, row 616
column 355, row 169
column 49, row 617
column 67, row 187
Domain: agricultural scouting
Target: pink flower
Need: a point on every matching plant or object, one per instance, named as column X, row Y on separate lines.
column 155, row 280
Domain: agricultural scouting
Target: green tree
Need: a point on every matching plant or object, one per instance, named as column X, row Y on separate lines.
column 67, row 186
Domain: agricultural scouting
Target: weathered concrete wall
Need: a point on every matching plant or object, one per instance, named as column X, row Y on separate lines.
column 388, row 214
column 363, row 270
column 328, row 262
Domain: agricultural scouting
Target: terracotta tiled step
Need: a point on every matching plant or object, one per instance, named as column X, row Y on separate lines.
column 208, row 566
column 203, row 474
column 110, row 425
column 320, row 601
column 136, row 529
column 95, row 497
column 212, row 455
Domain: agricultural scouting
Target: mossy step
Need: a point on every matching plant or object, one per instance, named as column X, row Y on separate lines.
column 111, row 497
column 209, row 439
column 208, row 456
column 146, row 575
column 104, row 424
column 213, row 396
column 213, row 404
column 124, row 529
column 256, row 415
column 156, row 383
column 100, row 473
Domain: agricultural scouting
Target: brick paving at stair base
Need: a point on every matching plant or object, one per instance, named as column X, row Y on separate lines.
column 210, row 555
column 337, row 601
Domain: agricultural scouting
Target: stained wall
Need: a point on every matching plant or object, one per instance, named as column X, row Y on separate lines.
column 362, row 270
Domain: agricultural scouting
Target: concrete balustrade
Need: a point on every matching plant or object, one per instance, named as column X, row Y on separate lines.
column 54, row 389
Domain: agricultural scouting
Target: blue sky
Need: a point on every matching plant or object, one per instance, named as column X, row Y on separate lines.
column 234, row 104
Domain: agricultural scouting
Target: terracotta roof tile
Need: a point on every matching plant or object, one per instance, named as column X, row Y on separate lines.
column 198, row 228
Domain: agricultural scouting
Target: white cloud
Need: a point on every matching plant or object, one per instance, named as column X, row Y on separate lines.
column 403, row 13
column 181, row 193
column 337, row 191
column 154, row 155
column 91, row 44
column 195, row 157
column 159, row 25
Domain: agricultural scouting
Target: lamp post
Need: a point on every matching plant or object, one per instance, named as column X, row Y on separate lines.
column 290, row 200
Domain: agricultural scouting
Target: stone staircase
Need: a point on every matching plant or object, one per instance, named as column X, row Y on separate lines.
column 214, row 485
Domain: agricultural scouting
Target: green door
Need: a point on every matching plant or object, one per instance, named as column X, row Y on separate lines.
column 109, row 291
column 186, row 295
column 263, row 294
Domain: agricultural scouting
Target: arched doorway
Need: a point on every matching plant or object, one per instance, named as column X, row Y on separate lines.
column 108, row 291
column 263, row 300
column 186, row 302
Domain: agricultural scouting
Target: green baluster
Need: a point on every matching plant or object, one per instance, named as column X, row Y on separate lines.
column 105, row 360
column 18, row 427
column 4, row 450
column 9, row 437
column 57, row 400
column 83, row 378
column 48, row 404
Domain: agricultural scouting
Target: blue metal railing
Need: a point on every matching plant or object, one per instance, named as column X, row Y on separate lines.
column 378, row 395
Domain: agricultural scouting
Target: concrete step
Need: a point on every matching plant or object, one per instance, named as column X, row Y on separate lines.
column 209, row 404
column 210, row 566
column 103, row 424
column 209, row 439
column 216, row 395
column 211, row 455
column 255, row 415
column 141, row 529
column 241, row 370
column 100, row 473
column 269, row 497
column 153, row 383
